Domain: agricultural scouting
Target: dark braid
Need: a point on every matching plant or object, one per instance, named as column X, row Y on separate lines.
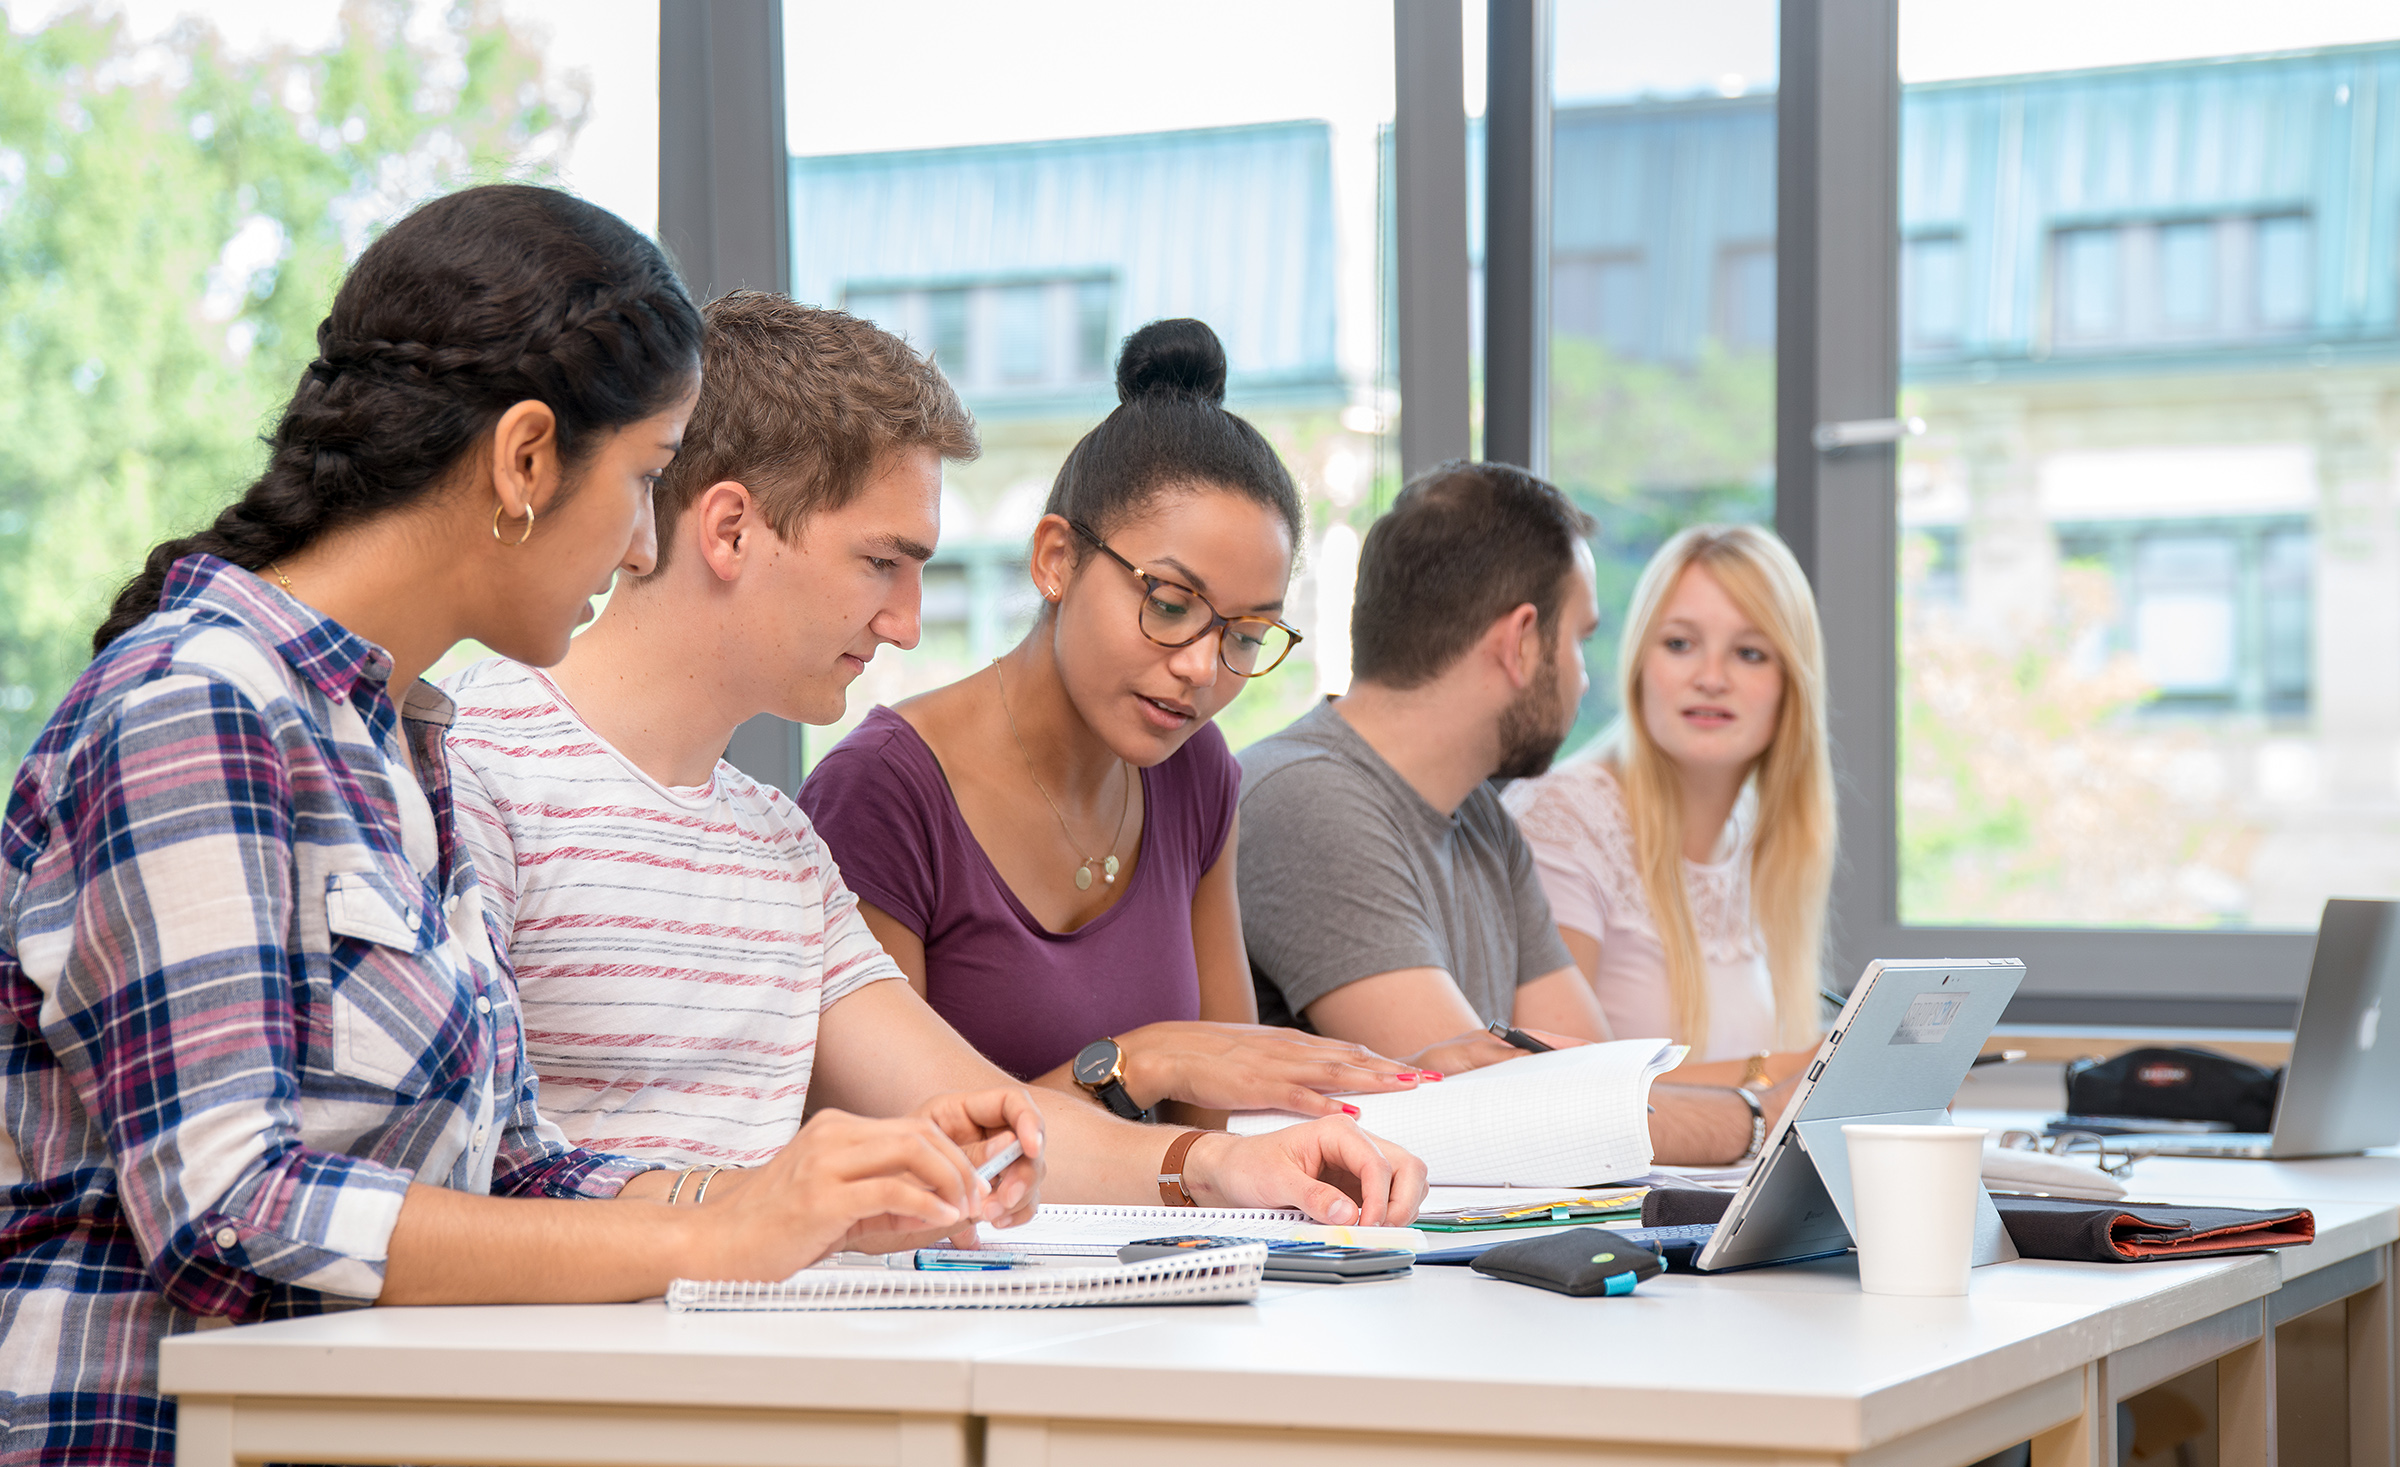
column 481, row 300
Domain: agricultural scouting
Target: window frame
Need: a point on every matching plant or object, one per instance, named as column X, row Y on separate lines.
column 1837, row 358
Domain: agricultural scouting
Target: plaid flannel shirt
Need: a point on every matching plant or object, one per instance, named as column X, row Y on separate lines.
column 235, row 1020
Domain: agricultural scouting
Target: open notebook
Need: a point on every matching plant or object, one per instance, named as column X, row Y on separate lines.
column 1214, row 1276
column 1101, row 1229
column 1570, row 1118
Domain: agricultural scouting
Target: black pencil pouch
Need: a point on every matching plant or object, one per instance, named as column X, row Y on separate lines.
column 2175, row 1085
column 1582, row 1262
column 1677, row 1207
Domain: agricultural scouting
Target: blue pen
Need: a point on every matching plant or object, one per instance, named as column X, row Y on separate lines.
column 958, row 1260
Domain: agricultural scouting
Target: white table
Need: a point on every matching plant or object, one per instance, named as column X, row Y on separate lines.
column 599, row 1384
column 2315, row 1277
column 1785, row 1365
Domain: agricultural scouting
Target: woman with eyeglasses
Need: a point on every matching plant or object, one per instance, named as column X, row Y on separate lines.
column 1047, row 846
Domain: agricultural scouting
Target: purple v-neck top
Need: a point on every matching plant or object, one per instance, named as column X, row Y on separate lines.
column 1025, row 996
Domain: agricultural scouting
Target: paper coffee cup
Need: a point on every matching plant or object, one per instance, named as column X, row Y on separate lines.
column 1912, row 1195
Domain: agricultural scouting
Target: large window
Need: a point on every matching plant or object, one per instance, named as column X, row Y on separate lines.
column 1056, row 179
column 181, row 186
column 2150, row 549
column 1662, row 282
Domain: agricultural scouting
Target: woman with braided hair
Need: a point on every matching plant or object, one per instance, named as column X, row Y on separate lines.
column 259, row 1053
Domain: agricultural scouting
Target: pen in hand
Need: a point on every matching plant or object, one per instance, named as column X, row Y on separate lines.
column 1501, row 1029
column 998, row 1161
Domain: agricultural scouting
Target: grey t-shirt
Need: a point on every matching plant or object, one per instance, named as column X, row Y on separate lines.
column 1346, row 872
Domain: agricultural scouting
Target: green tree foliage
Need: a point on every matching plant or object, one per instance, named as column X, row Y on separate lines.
column 1649, row 448
column 173, row 222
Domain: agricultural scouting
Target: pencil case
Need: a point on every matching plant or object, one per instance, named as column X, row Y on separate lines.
column 1581, row 1262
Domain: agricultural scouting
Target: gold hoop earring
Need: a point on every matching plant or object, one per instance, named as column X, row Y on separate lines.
column 502, row 509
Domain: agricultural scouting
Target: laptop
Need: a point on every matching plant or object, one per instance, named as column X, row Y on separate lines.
column 1895, row 1056
column 2341, row 1091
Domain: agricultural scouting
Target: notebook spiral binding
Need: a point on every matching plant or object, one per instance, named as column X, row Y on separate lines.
column 1213, row 1276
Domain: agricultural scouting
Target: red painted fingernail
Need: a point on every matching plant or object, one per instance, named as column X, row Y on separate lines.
column 1348, row 1110
column 1427, row 1075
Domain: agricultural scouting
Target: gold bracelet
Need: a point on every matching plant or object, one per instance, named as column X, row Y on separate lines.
column 677, row 1190
column 701, row 1195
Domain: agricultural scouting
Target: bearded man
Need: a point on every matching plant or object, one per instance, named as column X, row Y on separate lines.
column 1387, row 897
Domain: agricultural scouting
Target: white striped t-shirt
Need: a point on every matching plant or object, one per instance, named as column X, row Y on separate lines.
column 672, row 947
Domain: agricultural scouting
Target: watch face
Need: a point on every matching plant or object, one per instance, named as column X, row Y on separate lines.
column 1096, row 1062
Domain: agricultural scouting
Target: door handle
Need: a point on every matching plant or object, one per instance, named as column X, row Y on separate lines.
column 1863, row 432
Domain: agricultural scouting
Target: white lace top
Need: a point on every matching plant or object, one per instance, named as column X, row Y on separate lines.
column 1575, row 820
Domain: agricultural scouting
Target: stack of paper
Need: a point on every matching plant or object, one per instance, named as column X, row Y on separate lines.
column 1570, row 1118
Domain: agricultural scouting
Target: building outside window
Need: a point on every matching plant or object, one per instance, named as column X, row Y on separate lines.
column 2150, row 576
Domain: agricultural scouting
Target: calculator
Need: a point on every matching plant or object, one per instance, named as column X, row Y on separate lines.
column 1288, row 1260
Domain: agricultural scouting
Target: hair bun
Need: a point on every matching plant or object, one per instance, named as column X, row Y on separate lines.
column 1179, row 357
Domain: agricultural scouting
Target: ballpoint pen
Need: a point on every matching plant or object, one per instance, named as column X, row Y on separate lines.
column 1501, row 1029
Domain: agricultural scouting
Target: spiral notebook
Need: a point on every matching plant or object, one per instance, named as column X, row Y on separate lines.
column 1213, row 1276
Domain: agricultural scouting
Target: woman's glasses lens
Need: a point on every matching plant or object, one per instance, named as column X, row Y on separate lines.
column 1174, row 617
column 1255, row 646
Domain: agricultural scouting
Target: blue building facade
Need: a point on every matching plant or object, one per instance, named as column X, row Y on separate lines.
column 1663, row 226
column 1021, row 265
column 2170, row 215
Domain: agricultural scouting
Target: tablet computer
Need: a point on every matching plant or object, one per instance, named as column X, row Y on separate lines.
column 1895, row 1057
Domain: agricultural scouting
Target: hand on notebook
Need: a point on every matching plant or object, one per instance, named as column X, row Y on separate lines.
column 1252, row 1067
column 1329, row 1169
column 876, row 1186
column 1479, row 1047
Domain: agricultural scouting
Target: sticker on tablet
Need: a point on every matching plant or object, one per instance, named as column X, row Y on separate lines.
column 1929, row 1018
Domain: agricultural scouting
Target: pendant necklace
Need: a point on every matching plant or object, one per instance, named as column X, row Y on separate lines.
column 1083, row 868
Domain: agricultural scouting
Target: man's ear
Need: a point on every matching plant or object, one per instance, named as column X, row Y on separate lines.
column 725, row 519
column 1514, row 642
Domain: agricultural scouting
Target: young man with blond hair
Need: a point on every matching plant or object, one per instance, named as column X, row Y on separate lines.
column 692, row 969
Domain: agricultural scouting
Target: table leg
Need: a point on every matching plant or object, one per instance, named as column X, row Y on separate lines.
column 2246, row 1404
column 1011, row 1441
column 2373, row 1435
column 930, row 1441
column 2090, row 1439
column 204, row 1432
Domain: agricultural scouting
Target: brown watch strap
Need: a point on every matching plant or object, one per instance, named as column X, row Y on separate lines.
column 1171, row 1190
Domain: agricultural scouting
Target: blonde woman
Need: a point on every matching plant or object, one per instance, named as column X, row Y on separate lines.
column 1687, row 859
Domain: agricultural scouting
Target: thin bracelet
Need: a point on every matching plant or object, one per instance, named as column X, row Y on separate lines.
column 678, row 1188
column 1758, row 1127
column 701, row 1195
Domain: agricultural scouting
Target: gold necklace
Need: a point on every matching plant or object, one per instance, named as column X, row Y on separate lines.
column 1083, row 868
